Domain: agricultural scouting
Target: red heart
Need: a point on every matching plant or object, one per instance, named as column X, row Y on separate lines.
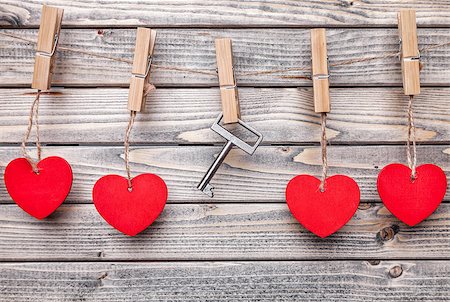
column 39, row 194
column 133, row 211
column 323, row 213
column 411, row 201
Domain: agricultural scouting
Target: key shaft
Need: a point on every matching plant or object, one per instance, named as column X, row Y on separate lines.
column 204, row 185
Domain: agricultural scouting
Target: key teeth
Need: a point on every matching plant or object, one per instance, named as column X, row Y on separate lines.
column 209, row 190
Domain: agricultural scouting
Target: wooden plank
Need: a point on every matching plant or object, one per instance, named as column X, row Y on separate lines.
column 194, row 49
column 227, row 13
column 228, row 281
column 257, row 178
column 183, row 116
column 219, row 232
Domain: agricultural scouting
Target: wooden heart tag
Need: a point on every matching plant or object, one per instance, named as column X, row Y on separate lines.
column 39, row 194
column 322, row 213
column 411, row 199
column 130, row 211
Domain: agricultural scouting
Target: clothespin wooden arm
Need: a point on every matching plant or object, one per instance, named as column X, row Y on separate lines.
column 49, row 29
column 320, row 75
column 228, row 90
column 409, row 51
column 145, row 43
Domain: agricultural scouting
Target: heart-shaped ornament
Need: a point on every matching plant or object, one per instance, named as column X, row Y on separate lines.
column 409, row 200
column 322, row 213
column 133, row 211
column 39, row 194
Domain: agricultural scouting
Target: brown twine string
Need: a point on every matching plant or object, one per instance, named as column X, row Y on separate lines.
column 147, row 89
column 34, row 113
column 264, row 72
column 95, row 54
column 275, row 71
column 127, row 147
column 412, row 158
column 206, row 72
column 323, row 145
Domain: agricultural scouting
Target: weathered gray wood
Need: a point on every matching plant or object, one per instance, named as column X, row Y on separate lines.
column 227, row 13
column 227, row 281
column 219, row 232
column 184, row 116
column 249, row 219
column 257, row 178
column 194, row 49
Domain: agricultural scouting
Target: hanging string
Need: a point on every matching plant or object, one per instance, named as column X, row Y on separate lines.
column 411, row 129
column 127, row 147
column 198, row 71
column 323, row 145
column 147, row 89
column 264, row 72
column 275, row 71
column 34, row 113
column 411, row 142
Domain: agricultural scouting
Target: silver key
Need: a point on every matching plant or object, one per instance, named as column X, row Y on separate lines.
column 204, row 185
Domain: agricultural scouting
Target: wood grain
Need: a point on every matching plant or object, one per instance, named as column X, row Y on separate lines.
column 194, row 49
column 258, row 178
column 243, row 245
column 266, row 13
column 183, row 116
column 219, row 232
column 227, row 281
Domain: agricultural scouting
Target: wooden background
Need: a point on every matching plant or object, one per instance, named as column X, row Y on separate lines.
column 244, row 244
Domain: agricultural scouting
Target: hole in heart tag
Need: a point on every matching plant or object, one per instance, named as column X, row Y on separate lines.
column 39, row 188
column 41, row 192
column 412, row 200
column 323, row 205
column 411, row 194
column 130, row 211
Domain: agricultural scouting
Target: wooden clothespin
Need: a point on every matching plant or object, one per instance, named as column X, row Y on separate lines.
column 409, row 51
column 320, row 75
column 228, row 90
column 143, row 52
column 48, row 37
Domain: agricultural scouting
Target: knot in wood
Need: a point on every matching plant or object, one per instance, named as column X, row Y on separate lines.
column 388, row 233
column 396, row 271
column 364, row 206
